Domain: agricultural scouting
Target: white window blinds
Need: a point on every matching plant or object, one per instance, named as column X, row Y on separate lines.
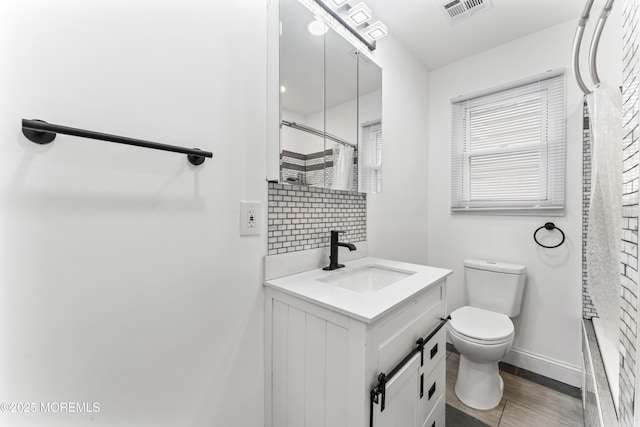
column 508, row 148
column 370, row 158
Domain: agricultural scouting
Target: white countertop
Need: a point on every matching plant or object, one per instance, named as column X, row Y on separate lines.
column 367, row 306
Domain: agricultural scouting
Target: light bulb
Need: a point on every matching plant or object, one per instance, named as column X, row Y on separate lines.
column 317, row 27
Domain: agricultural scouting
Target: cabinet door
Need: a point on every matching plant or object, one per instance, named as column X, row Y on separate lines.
column 432, row 390
column 402, row 396
column 310, row 369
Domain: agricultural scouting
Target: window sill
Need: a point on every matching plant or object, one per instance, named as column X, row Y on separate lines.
column 510, row 211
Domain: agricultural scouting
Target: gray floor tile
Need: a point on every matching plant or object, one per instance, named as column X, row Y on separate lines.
column 525, row 402
column 457, row 418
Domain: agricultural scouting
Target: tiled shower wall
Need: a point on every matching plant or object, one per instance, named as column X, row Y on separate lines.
column 631, row 166
column 307, row 169
column 302, row 217
column 588, row 309
column 312, row 169
column 629, row 257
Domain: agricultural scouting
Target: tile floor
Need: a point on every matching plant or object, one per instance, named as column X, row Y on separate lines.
column 524, row 403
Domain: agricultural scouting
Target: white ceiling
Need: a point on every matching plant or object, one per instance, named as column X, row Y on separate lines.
column 424, row 29
column 421, row 26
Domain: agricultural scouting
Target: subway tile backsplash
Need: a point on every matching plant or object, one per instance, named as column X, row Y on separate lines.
column 301, row 217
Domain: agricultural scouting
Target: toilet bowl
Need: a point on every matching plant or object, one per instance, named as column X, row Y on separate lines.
column 483, row 338
column 482, row 331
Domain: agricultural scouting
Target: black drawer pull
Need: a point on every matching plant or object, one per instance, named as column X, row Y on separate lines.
column 432, row 390
column 434, row 351
column 421, row 385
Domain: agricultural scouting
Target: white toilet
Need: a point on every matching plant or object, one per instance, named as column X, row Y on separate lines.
column 482, row 331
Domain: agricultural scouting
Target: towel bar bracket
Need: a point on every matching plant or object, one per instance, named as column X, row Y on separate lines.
column 194, row 159
column 39, row 137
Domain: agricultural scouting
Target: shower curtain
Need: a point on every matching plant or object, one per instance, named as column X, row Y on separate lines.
column 604, row 224
column 342, row 167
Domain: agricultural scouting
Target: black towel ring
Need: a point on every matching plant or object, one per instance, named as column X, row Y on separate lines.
column 548, row 226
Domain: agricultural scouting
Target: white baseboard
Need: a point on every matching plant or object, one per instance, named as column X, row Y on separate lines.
column 546, row 366
column 550, row 368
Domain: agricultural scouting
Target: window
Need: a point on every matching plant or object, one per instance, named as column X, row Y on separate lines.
column 508, row 148
column 370, row 153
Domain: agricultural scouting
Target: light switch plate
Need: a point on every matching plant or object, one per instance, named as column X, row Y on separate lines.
column 250, row 218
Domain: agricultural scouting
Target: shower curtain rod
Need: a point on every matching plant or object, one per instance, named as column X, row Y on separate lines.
column 317, row 132
column 41, row 132
column 595, row 41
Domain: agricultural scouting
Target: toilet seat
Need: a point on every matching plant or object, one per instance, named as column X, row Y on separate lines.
column 484, row 343
column 481, row 326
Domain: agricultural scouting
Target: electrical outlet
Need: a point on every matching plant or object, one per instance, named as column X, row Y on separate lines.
column 250, row 218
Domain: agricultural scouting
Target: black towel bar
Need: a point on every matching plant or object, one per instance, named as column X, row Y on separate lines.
column 41, row 132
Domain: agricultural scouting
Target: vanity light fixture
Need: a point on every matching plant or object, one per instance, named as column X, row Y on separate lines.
column 339, row 3
column 359, row 14
column 317, row 27
column 353, row 18
column 376, row 30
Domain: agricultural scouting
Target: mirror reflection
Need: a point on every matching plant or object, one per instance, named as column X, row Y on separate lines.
column 302, row 153
column 341, row 111
column 330, row 98
column 369, row 126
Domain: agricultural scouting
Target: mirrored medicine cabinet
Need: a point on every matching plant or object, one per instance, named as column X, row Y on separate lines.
column 329, row 106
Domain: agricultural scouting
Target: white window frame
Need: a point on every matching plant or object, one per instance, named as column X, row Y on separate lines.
column 370, row 158
column 549, row 195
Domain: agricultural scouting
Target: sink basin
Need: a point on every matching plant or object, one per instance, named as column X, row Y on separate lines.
column 368, row 278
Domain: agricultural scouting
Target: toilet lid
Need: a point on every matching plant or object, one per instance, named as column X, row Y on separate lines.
column 481, row 324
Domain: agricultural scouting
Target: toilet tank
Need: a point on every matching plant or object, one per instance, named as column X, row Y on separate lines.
column 495, row 286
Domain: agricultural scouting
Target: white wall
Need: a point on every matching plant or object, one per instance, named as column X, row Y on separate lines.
column 397, row 217
column 369, row 107
column 123, row 280
column 345, row 120
column 340, row 119
column 296, row 140
column 548, row 329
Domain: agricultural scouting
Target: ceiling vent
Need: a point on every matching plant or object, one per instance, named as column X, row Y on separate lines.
column 459, row 10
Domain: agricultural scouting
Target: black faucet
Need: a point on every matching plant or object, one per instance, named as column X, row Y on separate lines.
column 333, row 257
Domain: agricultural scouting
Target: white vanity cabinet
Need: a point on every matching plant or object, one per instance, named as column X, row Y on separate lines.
column 322, row 362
